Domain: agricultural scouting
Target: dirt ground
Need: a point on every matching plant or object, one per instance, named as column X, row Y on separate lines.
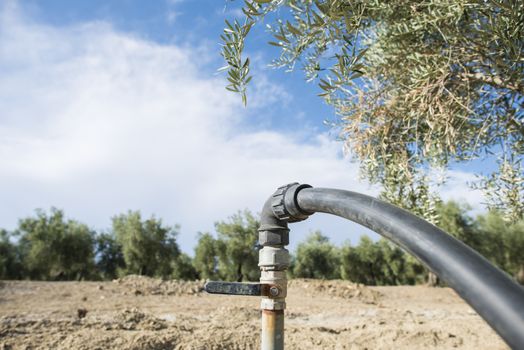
column 143, row 313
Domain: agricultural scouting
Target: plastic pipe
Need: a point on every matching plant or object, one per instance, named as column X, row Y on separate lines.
column 491, row 292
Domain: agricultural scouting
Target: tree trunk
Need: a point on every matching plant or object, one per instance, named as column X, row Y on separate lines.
column 520, row 275
column 433, row 279
column 239, row 273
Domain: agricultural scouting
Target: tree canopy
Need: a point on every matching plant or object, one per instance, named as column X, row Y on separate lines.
column 10, row 264
column 237, row 248
column 110, row 259
column 206, row 257
column 233, row 255
column 417, row 85
column 148, row 246
column 53, row 248
column 316, row 258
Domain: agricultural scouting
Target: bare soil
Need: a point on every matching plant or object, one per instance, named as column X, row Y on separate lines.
column 144, row 313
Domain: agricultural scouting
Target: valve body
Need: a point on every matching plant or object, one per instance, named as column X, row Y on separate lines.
column 273, row 262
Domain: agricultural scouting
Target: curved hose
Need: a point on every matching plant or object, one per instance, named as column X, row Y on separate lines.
column 492, row 293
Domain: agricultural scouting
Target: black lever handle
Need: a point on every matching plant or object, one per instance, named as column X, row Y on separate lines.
column 233, row 288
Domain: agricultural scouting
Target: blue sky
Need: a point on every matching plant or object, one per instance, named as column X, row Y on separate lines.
column 193, row 23
column 116, row 105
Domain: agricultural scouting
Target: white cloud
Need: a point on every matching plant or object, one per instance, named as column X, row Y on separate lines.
column 458, row 188
column 98, row 122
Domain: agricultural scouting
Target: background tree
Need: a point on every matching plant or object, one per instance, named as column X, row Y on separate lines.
column 109, row 256
column 55, row 249
column 503, row 243
column 316, row 257
column 359, row 264
column 236, row 247
column 206, row 257
column 183, row 268
column 148, row 247
column 417, row 85
column 515, row 249
column 10, row 264
column 374, row 263
column 455, row 221
column 399, row 268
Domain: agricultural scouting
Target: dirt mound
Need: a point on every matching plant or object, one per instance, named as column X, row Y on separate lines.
column 336, row 289
column 143, row 285
column 134, row 319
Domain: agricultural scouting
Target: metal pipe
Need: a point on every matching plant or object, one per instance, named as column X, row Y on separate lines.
column 490, row 291
column 272, row 330
column 273, row 262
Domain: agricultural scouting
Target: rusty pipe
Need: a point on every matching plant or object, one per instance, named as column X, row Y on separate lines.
column 272, row 336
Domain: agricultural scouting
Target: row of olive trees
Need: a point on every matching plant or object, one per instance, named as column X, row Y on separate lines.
column 49, row 247
column 382, row 263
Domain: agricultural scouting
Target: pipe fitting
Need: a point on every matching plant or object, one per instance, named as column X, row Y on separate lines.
column 273, row 304
column 273, row 258
column 280, row 238
column 285, row 204
column 276, row 280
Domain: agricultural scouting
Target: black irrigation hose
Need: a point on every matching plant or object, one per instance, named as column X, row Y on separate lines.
column 490, row 291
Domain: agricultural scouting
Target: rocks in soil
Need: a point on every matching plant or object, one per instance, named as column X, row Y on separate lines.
column 135, row 319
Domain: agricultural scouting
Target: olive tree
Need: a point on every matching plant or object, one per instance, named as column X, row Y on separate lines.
column 416, row 84
column 236, row 247
column 109, row 256
column 53, row 248
column 316, row 257
column 206, row 257
column 10, row 264
column 148, row 246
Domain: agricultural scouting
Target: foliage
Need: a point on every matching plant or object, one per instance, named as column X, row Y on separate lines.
column 237, row 68
column 10, row 264
column 183, row 268
column 206, row 257
column 236, row 247
column 109, row 257
column 417, row 85
column 455, row 221
column 316, row 258
column 379, row 263
column 490, row 234
column 148, row 246
column 55, row 249
column 502, row 242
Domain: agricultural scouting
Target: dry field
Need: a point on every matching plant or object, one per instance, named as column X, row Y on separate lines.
column 143, row 313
